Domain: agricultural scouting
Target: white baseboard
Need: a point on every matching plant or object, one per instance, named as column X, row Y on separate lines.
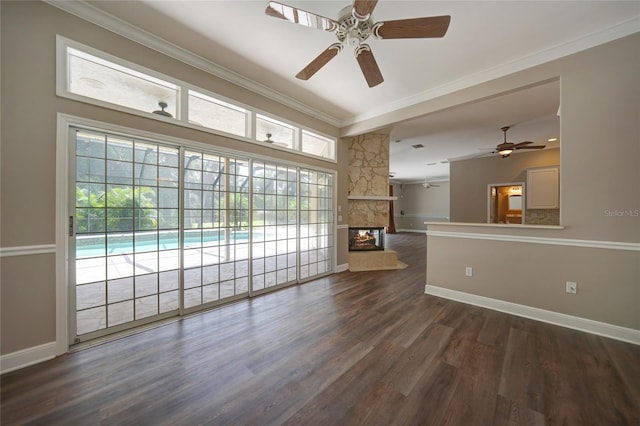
column 27, row 357
column 577, row 323
column 420, row 231
column 341, row 268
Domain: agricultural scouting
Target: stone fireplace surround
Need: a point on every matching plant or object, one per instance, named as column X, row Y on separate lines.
column 368, row 180
column 369, row 198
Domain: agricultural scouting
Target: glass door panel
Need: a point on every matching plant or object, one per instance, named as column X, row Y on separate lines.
column 216, row 228
column 316, row 223
column 126, row 250
column 274, row 230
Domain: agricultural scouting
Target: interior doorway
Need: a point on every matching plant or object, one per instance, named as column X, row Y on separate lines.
column 505, row 203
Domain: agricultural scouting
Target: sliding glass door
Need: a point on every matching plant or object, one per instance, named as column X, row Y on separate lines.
column 160, row 230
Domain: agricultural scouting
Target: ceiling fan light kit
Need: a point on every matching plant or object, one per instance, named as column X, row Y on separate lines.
column 352, row 28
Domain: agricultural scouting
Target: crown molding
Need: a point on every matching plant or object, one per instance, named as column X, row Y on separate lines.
column 105, row 20
column 118, row 26
column 597, row 38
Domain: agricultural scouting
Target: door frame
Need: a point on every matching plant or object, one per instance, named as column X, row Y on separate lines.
column 524, row 194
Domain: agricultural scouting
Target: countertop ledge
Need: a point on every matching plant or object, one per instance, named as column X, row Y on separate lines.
column 495, row 225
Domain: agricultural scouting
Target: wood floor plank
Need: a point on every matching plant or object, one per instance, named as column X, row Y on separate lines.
column 510, row 413
column 466, row 330
column 356, row 348
column 476, row 396
column 495, row 328
column 336, row 400
column 521, row 378
column 625, row 357
column 429, row 400
column 418, row 357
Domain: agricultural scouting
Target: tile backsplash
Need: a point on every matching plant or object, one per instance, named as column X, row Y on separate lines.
column 542, row 217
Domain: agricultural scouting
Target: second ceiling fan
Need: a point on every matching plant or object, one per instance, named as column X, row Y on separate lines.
column 506, row 148
column 353, row 27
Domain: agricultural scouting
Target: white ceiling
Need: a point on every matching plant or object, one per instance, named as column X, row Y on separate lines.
column 485, row 40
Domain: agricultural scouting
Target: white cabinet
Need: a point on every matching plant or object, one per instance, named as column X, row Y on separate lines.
column 543, row 188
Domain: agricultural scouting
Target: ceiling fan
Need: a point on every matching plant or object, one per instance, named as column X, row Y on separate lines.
column 506, row 148
column 272, row 142
column 427, row 185
column 352, row 28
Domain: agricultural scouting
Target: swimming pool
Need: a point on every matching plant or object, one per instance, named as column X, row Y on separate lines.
column 140, row 242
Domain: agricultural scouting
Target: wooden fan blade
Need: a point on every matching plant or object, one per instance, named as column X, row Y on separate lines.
column 368, row 65
column 431, row 27
column 364, row 7
column 523, row 143
column 299, row 16
column 505, row 145
column 321, row 60
column 530, row 147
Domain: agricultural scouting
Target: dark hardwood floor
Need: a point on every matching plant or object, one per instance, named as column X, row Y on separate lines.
column 353, row 348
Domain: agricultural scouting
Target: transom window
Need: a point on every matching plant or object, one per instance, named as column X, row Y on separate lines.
column 89, row 75
column 107, row 81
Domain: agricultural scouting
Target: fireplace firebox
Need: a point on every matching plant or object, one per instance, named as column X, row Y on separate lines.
column 366, row 238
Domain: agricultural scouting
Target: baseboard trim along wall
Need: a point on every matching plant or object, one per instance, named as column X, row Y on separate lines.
column 419, row 231
column 27, row 357
column 341, row 268
column 582, row 324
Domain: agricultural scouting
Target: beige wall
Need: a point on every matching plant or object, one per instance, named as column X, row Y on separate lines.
column 599, row 175
column 420, row 205
column 28, row 169
column 469, row 180
column 535, row 275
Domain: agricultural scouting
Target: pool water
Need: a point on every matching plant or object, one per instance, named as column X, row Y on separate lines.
column 124, row 243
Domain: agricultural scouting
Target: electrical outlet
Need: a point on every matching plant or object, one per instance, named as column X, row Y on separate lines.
column 572, row 288
column 468, row 271
column 339, row 218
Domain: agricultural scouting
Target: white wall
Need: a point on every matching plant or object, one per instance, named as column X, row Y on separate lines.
column 420, row 205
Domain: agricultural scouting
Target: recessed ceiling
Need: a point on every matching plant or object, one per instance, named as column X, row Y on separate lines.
column 473, row 130
column 485, row 40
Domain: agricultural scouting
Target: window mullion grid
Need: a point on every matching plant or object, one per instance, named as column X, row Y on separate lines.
column 201, row 225
column 73, row 322
column 250, row 228
column 133, row 227
column 298, row 226
column 181, row 226
column 157, row 231
column 183, row 103
column 106, row 234
column 251, row 125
